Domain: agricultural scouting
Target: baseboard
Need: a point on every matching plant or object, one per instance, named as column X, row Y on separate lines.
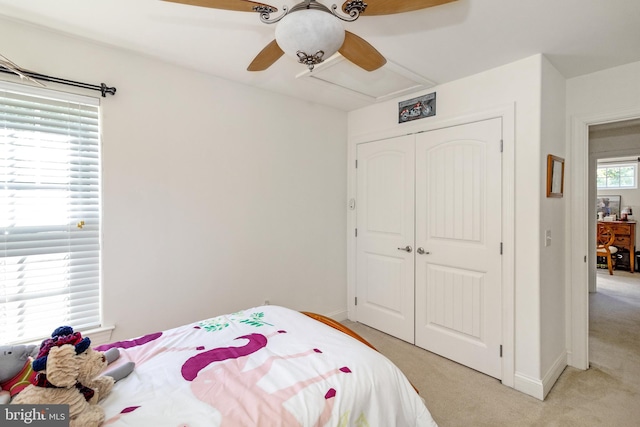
column 527, row 385
column 338, row 316
column 540, row 388
column 554, row 373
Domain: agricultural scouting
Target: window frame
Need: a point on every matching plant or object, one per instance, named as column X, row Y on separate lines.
column 618, row 165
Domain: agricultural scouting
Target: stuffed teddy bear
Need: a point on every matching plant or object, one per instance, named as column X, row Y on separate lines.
column 15, row 369
column 68, row 373
column 16, row 372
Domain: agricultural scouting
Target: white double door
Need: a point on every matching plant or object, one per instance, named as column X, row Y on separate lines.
column 428, row 258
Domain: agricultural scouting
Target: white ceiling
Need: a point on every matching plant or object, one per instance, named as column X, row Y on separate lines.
column 438, row 44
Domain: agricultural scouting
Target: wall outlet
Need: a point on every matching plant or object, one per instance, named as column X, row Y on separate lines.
column 547, row 238
column 266, row 302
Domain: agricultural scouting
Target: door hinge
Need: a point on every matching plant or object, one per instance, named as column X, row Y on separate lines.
column 356, row 164
column 585, row 258
column 356, row 232
column 356, row 300
column 500, row 350
column 500, row 248
column 501, row 145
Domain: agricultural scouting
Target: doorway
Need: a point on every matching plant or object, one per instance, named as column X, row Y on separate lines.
column 506, row 114
column 582, row 236
column 446, row 295
column 612, row 145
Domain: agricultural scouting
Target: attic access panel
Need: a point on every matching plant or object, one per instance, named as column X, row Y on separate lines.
column 387, row 82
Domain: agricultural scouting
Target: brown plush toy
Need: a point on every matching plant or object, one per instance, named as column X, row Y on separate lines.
column 68, row 372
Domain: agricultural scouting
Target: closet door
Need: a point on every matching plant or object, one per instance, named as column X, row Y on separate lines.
column 385, row 223
column 458, row 237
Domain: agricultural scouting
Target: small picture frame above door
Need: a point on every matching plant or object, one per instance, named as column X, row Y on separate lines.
column 417, row 108
column 555, row 176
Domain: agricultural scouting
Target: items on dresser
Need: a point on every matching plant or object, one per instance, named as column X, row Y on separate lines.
column 625, row 232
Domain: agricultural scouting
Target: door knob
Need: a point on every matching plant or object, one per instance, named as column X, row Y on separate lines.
column 406, row 248
column 421, row 251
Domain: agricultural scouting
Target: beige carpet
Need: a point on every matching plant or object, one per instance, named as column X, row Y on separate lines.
column 608, row 394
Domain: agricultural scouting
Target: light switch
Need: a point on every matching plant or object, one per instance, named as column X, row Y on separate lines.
column 547, row 238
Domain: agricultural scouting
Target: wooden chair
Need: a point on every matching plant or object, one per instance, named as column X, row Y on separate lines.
column 606, row 237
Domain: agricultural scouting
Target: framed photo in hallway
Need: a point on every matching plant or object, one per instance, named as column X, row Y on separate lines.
column 555, row 176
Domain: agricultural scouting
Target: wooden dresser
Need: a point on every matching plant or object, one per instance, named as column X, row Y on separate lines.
column 625, row 232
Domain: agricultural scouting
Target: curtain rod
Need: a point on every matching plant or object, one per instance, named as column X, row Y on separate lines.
column 103, row 88
column 619, row 160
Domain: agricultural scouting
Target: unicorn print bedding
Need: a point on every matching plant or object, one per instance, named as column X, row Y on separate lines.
column 264, row 366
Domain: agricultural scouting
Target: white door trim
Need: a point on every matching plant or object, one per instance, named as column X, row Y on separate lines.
column 507, row 113
column 577, row 222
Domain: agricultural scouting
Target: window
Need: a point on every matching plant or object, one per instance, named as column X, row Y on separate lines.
column 49, row 212
column 617, row 175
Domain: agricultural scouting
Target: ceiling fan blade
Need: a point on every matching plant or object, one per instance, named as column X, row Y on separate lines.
column 238, row 5
column 388, row 7
column 360, row 52
column 267, row 56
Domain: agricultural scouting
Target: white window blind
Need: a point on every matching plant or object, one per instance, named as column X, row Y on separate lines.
column 49, row 212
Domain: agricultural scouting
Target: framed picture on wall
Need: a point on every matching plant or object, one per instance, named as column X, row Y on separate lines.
column 608, row 205
column 417, row 108
column 555, row 176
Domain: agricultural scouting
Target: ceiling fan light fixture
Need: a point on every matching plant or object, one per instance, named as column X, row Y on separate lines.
column 310, row 35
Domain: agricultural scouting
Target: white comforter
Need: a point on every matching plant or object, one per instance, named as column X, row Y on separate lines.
column 265, row 366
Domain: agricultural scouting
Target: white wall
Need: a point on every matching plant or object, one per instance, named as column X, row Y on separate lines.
column 216, row 196
column 605, row 96
column 552, row 219
column 520, row 85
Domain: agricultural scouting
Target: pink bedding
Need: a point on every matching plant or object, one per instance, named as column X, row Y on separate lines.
column 265, row 366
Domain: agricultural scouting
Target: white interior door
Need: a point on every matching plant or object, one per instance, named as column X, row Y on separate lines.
column 458, row 225
column 385, row 221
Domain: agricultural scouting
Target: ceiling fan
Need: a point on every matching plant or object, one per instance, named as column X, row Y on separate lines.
column 311, row 32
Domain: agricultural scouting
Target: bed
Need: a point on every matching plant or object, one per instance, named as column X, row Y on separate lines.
column 264, row 366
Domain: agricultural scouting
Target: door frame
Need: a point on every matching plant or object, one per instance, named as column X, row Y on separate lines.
column 577, row 222
column 507, row 114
